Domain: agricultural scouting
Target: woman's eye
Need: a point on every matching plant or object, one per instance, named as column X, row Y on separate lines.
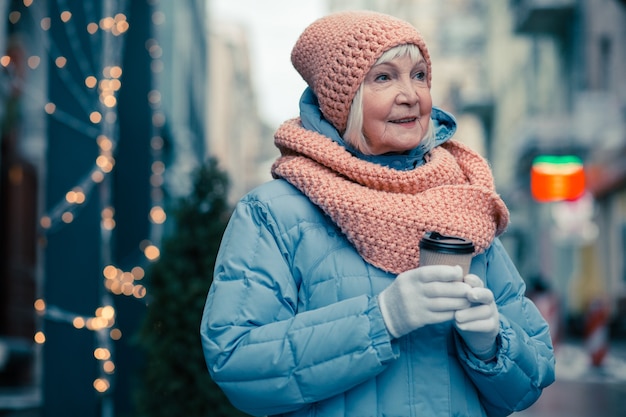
column 421, row 75
column 381, row 77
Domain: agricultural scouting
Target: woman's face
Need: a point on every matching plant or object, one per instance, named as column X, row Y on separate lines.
column 396, row 105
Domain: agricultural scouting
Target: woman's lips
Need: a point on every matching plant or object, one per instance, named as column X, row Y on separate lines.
column 404, row 121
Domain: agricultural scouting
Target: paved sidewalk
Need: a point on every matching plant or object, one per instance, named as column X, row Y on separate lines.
column 582, row 390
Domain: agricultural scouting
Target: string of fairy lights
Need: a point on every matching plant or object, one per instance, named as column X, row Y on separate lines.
column 106, row 29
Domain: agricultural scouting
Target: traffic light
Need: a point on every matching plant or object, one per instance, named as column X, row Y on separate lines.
column 557, row 178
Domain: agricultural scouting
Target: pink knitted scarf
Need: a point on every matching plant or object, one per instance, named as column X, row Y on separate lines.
column 384, row 212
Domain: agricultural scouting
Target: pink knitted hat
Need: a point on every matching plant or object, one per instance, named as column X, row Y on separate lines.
column 334, row 54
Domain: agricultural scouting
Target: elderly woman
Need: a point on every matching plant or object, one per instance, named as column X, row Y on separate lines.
column 319, row 305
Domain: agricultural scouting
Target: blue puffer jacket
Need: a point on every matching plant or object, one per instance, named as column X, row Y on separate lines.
column 292, row 327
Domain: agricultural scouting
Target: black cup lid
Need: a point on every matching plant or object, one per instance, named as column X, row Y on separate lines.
column 437, row 242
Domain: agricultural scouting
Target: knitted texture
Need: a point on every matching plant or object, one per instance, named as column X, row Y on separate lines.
column 385, row 212
column 334, row 54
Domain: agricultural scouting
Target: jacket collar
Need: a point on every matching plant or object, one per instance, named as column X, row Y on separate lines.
column 312, row 119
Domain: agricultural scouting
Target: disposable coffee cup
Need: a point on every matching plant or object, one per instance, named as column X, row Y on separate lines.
column 438, row 249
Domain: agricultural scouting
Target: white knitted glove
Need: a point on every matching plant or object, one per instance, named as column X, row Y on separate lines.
column 479, row 324
column 426, row 295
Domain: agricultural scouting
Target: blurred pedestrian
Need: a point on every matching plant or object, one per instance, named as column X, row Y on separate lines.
column 319, row 306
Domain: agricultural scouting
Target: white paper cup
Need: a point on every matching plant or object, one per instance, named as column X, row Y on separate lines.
column 438, row 249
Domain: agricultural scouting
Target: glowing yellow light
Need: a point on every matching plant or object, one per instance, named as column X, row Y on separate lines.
column 97, row 176
column 67, row 217
column 108, row 224
column 33, row 62
column 89, row 324
column 116, row 334
column 5, row 60
column 50, row 108
column 78, row 322
column 116, row 287
column 110, row 101
column 92, row 28
column 122, row 26
column 102, row 161
column 102, row 323
column 101, row 385
column 45, row 23
column 95, row 117
column 139, row 291
column 110, row 272
column 104, row 143
column 75, row 196
column 106, row 23
column 108, row 312
column 119, row 28
column 39, row 337
column 102, row 354
column 108, row 367
column 40, row 305
column 127, row 288
column 152, row 252
column 138, row 272
column 66, row 16
column 116, row 71
column 60, row 61
column 45, row 222
column 91, row 81
column 108, row 212
column 14, row 17
column 109, row 167
column 104, row 85
column 127, row 277
column 157, row 215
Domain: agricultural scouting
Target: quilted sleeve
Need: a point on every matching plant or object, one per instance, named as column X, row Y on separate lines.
column 267, row 357
column 525, row 364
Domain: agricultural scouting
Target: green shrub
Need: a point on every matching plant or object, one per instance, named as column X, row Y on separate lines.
column 174, row 380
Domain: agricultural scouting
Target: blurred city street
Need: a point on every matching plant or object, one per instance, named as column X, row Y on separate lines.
column 582, row 390
column 116, row 117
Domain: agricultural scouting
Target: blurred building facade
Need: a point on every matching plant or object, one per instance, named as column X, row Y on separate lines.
column 103, row 108
column 556, row 86
column 238, row 138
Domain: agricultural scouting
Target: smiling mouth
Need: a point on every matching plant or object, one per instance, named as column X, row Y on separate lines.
column 401, row 121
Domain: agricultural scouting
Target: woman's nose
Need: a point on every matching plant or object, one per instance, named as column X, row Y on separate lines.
column 407, row 93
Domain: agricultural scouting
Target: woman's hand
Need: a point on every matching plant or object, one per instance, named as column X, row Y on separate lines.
column 425, row 295
column 479, row 324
